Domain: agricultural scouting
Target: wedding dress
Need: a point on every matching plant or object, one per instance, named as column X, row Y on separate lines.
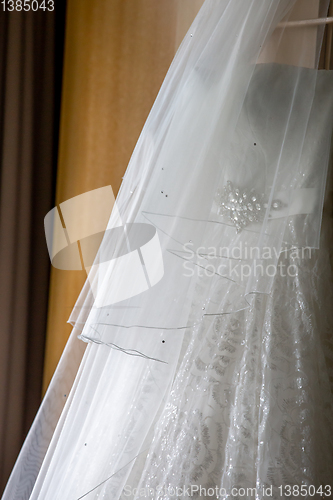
column 215, row 382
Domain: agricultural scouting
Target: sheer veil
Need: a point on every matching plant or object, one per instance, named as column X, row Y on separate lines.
column 231, row 158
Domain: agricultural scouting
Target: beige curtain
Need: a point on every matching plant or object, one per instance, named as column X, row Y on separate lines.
column 116, row 56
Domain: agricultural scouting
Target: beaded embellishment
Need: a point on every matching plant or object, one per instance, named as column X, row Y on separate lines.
column 242, row 207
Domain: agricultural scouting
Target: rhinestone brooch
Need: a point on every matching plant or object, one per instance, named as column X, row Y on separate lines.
column 242, row 207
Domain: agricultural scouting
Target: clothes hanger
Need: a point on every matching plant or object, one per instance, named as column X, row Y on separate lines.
column 306, row 22
column 310, row 22
column 328, row 21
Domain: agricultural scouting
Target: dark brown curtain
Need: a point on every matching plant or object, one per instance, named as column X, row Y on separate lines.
column 30, row 81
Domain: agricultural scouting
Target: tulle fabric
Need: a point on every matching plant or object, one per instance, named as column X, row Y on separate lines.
column 251, row 405
column 225, row 379
column 211, row 123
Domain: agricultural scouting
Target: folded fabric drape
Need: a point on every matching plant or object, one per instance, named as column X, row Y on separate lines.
column 218, row 375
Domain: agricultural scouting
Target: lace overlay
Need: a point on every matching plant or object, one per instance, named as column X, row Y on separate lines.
column 251, row 403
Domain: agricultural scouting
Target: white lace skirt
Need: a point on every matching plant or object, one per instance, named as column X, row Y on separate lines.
column 248, row 410
column 251, row 403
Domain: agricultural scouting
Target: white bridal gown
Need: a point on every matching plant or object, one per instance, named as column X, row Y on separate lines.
column 217, row 382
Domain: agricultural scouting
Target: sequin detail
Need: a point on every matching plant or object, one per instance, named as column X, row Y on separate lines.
column 242, row 207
